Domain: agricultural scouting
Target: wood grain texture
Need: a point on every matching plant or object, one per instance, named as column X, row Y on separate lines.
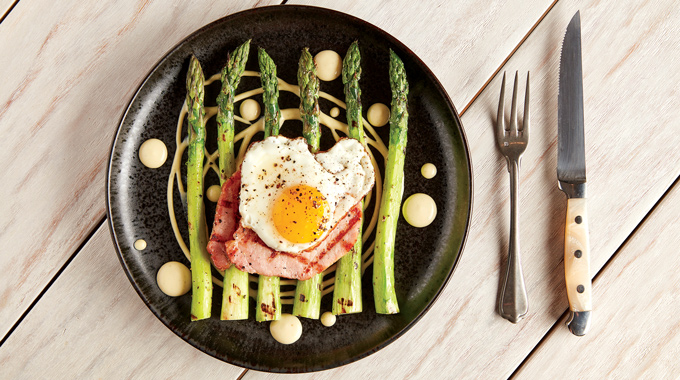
column 91, row 324
column 5, row 6
column 78, row 67
column 631, row 148
column 462, row 42
column 637, row 315
column 61, row 99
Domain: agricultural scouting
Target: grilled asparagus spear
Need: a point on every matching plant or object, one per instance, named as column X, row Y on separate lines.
column 347, row 290
column 235, row 292
column 201, row 277
column 231, row 76
column 268, row 304
column 307, row 301
column 309, row 100
column 393, row 190
column 270, row 97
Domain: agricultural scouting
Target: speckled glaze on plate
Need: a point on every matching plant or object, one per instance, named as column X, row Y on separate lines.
column 425, row 257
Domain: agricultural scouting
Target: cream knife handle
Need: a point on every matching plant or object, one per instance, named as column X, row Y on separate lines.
column 577, row 265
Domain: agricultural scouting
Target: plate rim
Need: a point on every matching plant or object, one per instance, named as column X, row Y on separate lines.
column 470, row 188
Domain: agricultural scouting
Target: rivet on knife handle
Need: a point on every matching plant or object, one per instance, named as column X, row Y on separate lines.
column 577, row 266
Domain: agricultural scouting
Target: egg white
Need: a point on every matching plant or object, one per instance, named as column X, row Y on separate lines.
column 344, row 175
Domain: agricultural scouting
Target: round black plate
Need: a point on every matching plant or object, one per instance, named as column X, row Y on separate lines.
column 425, row 257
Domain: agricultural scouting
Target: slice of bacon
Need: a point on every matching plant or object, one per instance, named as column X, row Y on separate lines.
column 230, row 242
column 250, row 254
column 226, row 221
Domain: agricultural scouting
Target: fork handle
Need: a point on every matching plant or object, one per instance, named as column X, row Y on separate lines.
column 513, row 302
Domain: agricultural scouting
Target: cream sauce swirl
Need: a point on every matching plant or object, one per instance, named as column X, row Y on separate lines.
column 242, row 140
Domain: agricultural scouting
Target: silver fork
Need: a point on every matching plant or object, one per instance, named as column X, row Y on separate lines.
column 512, row 140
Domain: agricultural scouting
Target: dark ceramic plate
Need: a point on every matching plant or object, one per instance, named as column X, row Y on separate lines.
column 425, row 257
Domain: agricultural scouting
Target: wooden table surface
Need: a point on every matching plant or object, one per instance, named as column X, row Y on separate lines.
column 69, row 69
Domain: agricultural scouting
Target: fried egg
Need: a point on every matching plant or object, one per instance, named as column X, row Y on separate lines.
column 291, row 198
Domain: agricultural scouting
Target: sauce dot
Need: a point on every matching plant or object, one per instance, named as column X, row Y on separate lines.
column 213, row 193
column 153, row 153
column 174, row 279
column 378, row 114
column 287, row 329
column 428, row 171
column 419, row 210
column 250, row 109
column 328, row 65
column 335, row 112
column 140, row 244
column 328, row 319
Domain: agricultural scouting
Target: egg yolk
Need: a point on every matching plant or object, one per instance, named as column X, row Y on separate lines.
column 300, row 214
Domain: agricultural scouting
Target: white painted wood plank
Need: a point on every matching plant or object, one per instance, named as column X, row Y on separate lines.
column 462, row 42
column 631, row 116
column 91, row 324
column 636, row 335
column 5, row 5
column 69, row 69
column 462, row 336
column 77, row 69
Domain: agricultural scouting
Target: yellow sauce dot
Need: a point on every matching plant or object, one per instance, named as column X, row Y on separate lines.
column 287, row 329
column 428, row 171
column 328, row 319
column 378, row 114
column 140, row 244
column 174, row 279
column 213, row 193
column 328, row 65
column 419, row 210
column 335, row 112
column 250, row 109
column 153, row 153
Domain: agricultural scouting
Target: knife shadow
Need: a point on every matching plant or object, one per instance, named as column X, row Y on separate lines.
column 553, row 246
column 552, row 234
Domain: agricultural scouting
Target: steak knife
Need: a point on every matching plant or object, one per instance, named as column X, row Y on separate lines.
column 571, row 174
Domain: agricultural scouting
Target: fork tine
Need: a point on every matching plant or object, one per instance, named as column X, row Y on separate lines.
column 500, row 119
column 513, row 111
column 525, row 122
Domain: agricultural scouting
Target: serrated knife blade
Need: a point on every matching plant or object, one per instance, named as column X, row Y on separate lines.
column 571, row 154
column 571, row 175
